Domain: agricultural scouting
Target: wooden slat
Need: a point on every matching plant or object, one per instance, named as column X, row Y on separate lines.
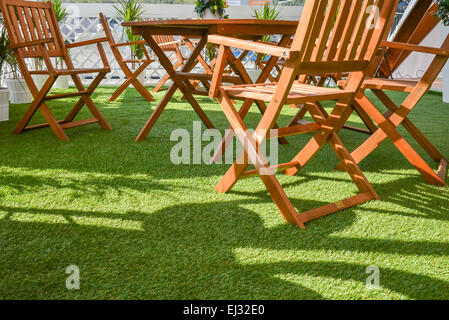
column 67, row 95
column 294, row 130
column 278, row 168
column 79, row 123
column 203, row 76
column 413, row 47
column 334, row 207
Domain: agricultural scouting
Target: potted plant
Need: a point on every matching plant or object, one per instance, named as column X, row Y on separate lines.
column 4, row 92
column 132, row 10
column 18, row 90
column 267, row 12
column 211, row 9
column 39, row 79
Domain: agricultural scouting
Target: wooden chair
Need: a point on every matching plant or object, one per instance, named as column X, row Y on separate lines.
column 34, row 32
column 397, row 115
column 333, row 36
column 131, row 77
column 170, row 45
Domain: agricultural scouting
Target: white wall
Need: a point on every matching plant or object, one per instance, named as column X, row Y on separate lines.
column 180, row 11
column 417, row 63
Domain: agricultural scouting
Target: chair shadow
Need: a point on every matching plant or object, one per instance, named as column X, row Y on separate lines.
column 195, row 251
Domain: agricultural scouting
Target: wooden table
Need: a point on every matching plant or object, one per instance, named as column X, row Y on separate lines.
column 243, row 28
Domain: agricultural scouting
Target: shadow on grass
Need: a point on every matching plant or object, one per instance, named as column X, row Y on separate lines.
column 199, row 251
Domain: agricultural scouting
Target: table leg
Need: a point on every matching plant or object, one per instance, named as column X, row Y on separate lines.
column 177, row 84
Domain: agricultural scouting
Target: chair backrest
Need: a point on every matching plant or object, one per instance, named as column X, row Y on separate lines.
column 342, row 32
column 166, row 39
column 107, row 29
column 28, row 21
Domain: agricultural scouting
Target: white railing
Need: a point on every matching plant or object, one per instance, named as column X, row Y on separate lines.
column 84, row 24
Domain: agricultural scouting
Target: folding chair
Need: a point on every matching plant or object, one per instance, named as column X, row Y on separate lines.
column 34, row 32
column 169, row 44
column 131, row 77
column 397, row 115
column 333, row 36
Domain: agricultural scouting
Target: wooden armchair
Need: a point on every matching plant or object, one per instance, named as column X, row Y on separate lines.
column 131, row 77
column 332, row 37
column 34, row 33
column 170, row 45
column 398, row 114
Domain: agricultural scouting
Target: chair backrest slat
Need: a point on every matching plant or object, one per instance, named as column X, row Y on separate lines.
column 30, row 21
column 342, row 30
column 166, row 39
column 326, row 30
column 45, row 29
column 367, row 10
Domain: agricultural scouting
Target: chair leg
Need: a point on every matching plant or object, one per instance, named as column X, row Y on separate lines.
column 388, row 130
column 54, row 125
column 38, row 99
column 330, row 125
column 132, row 79
column 38, row 103
column 229, row 135
column 143, row 91
column 298, row 116
column 272, row 184
column 87, row 100
column 431, row 150
column 166, row 77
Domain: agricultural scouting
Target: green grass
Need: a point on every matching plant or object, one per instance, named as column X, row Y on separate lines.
column 140, row 227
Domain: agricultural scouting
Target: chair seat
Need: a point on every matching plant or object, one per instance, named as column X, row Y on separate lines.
column 387, row 84
column 299, row 93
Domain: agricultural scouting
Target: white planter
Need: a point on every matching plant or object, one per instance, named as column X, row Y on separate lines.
column 445, row 72
column 18, row 91
column 254, row 74
column 39, row 80
column 141, row 78
column 209, row 15
column 62, row 82
column 4, row 104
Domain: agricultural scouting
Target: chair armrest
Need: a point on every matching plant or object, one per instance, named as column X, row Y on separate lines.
column 413, row 47
column 86, row 43
column 128, row 43
column 171, row 42
column 30, row 43
column 264, row 48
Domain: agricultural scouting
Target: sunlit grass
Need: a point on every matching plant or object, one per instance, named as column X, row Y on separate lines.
column 140, row 227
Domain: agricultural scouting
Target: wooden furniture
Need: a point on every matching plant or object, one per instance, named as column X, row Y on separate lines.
column 416, row 26
column 34, row 33
column 333, row 36
column 168, row 44
column 131, row 77
column 397, row 115
column 247, row 28
column 413, row 30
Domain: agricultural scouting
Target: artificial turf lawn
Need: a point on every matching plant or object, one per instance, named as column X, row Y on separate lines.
column 138, row 226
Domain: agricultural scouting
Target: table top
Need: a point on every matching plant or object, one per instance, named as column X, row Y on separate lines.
column 214, row 26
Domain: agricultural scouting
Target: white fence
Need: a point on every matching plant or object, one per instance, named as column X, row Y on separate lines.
column 84, row 24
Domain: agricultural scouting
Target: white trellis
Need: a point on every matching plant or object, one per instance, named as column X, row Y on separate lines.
column 84, row 24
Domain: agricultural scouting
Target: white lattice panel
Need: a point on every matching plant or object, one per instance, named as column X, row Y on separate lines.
column 85, row 28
